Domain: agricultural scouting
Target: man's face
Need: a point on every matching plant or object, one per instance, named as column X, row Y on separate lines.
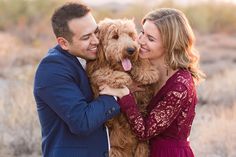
column 84, row 41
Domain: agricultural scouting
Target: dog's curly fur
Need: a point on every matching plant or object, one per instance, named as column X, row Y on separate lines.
column 117, row 43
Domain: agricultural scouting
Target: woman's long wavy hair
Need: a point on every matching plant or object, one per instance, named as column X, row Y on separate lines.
column 178, row 40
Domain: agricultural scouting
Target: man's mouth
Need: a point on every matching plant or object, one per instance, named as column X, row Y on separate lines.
column 93, row 49
column 126, row 64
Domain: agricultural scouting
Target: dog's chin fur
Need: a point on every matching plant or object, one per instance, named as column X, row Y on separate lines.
column 107, row 69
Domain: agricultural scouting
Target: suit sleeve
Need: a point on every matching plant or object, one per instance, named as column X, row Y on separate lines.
column 54, row 85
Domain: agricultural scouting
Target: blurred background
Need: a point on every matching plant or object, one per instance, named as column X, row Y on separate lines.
column 26, row 35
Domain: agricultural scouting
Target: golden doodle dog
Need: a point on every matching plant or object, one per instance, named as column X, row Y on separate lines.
column 118, row 64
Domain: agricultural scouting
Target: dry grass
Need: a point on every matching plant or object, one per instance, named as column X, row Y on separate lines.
column 19, row 119
column 19, row 124
column 219, row 88
column 214, row 128
column 214, row 131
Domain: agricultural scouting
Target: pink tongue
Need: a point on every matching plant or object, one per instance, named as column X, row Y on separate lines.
column 126, row 64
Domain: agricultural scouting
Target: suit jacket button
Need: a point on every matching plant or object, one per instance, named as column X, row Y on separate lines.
column 113, row 109
column 109, row 111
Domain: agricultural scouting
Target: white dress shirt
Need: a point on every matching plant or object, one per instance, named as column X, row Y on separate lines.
column 83, row 63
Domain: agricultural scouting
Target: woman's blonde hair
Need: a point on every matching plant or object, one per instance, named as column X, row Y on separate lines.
column 178, row 39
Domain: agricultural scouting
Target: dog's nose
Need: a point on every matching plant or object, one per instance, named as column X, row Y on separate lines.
column 130, row 50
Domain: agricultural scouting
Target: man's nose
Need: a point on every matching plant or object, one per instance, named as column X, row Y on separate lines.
column 95, row 39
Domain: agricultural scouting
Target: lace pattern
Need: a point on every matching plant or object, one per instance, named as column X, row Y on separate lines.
column 174, row 108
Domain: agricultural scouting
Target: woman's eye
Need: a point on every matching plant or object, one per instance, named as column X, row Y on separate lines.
column 150, row 39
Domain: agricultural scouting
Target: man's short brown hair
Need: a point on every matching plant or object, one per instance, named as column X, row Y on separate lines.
column 63, row 15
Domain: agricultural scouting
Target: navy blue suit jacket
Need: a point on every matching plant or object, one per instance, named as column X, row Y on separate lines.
column 72, row 123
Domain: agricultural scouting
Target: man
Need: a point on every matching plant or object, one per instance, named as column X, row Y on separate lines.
column 72, row 122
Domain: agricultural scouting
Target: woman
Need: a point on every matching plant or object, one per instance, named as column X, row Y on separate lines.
column 167, row 41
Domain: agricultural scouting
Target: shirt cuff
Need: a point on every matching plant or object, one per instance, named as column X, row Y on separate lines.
column 115, row 97
column 127, row 102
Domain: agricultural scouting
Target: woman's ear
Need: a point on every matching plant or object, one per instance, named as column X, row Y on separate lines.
column 65, row 45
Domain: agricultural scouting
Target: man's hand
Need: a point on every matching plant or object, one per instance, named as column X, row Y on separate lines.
column 119, row 92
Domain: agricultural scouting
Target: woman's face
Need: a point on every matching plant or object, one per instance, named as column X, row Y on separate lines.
column 150, row 42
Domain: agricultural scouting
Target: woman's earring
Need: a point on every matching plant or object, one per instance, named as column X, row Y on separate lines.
column 167, row 69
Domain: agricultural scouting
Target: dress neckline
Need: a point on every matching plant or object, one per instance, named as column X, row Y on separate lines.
column 168, row 80
column 164, row 86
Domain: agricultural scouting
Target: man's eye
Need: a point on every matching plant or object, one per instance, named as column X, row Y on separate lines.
column 85, row 38
column 96, row 32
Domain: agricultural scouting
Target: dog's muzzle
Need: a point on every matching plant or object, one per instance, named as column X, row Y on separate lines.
column 131, row 50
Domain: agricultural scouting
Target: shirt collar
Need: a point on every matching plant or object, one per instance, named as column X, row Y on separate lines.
column 82, row 62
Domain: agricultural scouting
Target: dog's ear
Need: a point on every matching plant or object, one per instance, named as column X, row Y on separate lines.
column 102, row 26
column 100, row 61
column 101, row 55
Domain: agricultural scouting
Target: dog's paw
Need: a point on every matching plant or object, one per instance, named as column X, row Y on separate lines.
column 101, row 76
column 120, row 79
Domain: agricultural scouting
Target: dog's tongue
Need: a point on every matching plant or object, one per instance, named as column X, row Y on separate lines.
column 126, row 64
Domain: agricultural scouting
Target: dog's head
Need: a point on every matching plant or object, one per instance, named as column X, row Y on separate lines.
column 118, row 46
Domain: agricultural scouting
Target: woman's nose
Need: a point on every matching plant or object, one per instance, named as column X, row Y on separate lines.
column 140, row 39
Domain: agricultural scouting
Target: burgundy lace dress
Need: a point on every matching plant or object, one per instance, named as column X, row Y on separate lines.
column 169, row 119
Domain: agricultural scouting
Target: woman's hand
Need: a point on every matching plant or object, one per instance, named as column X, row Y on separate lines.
column 119, row 92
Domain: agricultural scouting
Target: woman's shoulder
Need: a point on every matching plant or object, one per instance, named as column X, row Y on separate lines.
column 185, row 78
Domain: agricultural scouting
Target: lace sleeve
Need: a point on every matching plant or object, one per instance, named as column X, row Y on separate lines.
column 160, row 117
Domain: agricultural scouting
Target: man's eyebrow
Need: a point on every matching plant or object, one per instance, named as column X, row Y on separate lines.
column 96, row 30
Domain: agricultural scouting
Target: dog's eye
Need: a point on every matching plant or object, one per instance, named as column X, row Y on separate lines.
column 115, row 37
column 131, row 34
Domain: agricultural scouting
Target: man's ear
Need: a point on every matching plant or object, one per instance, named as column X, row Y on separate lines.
column 63, row 43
